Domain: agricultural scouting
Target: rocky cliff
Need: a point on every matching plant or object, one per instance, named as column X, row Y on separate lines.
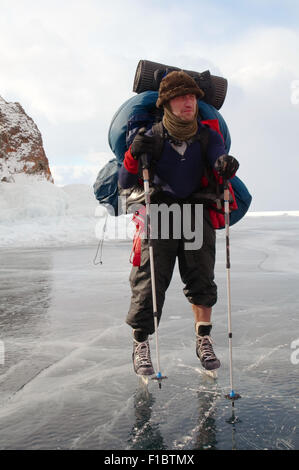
column 21, row 146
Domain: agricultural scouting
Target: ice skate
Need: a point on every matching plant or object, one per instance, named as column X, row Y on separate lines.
column 142, row 362
column 205, row 352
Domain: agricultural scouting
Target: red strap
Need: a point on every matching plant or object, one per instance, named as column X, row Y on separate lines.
column 139, row 221
column 136, row 250
column 213, row 124
column 217, row 218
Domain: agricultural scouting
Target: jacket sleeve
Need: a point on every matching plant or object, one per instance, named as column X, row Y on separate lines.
column 215, row 147
column 128, row 173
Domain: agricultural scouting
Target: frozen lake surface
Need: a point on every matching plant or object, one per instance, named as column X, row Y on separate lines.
column 66, row 377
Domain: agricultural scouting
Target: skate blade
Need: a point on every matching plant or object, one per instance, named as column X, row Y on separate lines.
column 144, row 379
column 212, row 374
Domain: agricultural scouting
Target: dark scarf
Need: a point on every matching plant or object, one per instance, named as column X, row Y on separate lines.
column 177, row 128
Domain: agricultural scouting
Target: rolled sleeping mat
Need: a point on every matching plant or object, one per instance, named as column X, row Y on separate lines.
column 149, row 75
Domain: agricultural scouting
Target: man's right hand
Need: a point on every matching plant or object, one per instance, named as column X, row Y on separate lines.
column 143, row 144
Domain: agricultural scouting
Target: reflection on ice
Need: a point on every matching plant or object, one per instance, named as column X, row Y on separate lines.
column 145, row 433
column 67, row 379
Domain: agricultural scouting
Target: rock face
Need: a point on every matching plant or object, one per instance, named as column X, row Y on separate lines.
column 21, row 146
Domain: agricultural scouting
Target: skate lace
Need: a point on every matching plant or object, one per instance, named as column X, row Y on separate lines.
column 206, row 348
column 142, row 354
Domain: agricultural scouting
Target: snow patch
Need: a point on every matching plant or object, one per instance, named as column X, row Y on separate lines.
column 36, row 213
column 272, row 213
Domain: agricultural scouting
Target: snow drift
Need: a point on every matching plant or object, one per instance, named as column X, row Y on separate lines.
column 36, row 213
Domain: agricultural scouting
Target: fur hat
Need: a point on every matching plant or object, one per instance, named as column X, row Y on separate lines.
column 177, row 83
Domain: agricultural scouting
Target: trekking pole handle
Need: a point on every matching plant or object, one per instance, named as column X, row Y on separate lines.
column 143, row 157
column 144, row 161
column 226, row 215
column 226, row 199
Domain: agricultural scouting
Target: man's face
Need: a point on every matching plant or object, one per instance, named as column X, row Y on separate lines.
column 184, row 107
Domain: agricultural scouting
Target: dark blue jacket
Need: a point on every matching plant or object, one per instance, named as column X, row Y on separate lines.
column 178, row 175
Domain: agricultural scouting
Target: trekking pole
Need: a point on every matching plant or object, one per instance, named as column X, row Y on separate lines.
column 232, row 395
column 145, row 173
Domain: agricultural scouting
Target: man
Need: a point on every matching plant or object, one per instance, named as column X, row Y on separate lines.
column 177, row 168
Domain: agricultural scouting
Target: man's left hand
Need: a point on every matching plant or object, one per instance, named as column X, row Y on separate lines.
column 226, row 166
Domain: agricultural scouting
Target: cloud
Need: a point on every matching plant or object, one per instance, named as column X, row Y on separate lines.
column 99, row 158
column 83, row 173
column 71, row 65
column 71, row 60
column 263, row 54
column 74, row 174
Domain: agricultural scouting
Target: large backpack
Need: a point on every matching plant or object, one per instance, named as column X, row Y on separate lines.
column 140, row 111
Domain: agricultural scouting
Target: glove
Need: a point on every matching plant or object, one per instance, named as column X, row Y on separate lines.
column 226, row 166
column 143, row 144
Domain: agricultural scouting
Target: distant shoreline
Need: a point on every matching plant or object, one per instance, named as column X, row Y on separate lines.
column 271, row 213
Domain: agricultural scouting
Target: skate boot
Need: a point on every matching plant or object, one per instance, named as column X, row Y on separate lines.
column 141, row 356
column 204, row 348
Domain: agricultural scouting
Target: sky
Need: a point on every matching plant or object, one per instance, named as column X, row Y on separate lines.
column 72, row 64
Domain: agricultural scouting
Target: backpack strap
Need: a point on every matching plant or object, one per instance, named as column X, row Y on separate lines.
column 213, row 184
column 203, row 138
column 158, row 131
